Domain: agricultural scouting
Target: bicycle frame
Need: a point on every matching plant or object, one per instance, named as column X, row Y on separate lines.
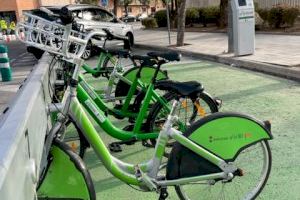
column 94, row 105
column 143, row 174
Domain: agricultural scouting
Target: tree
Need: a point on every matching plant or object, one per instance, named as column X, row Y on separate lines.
column 116, row 3
column 181, row 22
column 125, row 3
column 93, row 2
column 223, row 13
column 145, row 3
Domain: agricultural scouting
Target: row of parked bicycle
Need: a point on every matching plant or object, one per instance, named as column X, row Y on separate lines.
column 203, row 153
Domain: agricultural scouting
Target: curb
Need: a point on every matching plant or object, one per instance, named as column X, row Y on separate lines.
column 291, row 73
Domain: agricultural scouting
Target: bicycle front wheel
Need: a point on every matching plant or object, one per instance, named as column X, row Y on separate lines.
column 255, row 162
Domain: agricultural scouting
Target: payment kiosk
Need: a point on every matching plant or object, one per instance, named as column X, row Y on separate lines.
column 243, row 25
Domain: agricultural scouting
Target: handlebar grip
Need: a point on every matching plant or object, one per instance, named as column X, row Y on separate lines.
column 66, row 16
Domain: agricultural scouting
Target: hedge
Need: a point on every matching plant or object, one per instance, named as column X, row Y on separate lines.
column 149, row 22
column 279, row 16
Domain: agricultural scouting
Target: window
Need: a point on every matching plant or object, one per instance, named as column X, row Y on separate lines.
column 88, row 14
column 103, row 16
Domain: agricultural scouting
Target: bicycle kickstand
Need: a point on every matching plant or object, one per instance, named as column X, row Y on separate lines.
column 163, row 194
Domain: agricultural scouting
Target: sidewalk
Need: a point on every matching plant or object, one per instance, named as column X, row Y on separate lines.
column 21, row 64
column 275, row 54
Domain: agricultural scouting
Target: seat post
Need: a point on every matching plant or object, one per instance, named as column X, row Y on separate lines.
column 157, row 70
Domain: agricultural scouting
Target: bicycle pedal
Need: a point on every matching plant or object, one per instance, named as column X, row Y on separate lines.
column 115, row 147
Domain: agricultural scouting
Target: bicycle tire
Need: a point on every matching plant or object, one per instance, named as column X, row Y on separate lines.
column 169, row 97
column 181, row 192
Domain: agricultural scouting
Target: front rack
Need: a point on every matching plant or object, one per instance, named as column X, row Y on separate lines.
column 51, row 36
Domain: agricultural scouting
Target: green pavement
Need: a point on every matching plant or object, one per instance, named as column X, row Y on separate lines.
column 263, row 96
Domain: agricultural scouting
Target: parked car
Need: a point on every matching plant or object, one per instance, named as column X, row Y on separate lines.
column 141, row 16
column 94, row 18
column 128, row 18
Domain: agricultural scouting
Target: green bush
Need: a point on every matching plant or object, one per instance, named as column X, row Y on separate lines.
column 282, row 15
column 263, row 13
column 289, row 16
column 149, row 22
column 275, row 17
column 211, row 15
column 161, row 18
column 192, row 16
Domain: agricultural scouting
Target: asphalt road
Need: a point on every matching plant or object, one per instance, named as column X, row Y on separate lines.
column 21, row 63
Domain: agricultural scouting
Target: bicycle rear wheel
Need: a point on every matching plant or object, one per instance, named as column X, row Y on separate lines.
column 255, row 162
column 188, row 112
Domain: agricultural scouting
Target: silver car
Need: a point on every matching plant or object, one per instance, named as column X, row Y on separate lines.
column 94, row 18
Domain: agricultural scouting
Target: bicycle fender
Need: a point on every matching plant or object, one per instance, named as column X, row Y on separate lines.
column 227, row 134
column 66, row 176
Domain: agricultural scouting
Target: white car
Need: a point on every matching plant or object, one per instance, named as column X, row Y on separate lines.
column 96, row 18
column 142, row 16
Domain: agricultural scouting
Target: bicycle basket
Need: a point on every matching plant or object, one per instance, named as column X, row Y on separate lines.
column 51, row 36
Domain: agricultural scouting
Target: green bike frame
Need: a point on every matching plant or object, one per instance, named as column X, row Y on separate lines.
column 94, row 105
column 144, row 174
column 100, row 63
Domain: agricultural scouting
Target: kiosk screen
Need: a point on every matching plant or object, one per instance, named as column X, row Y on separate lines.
column 242, row 3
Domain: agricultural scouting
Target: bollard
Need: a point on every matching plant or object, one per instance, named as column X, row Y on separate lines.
column 3, row 51
column 4, row 64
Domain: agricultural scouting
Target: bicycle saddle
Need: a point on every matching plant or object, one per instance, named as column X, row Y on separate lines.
column 170, row 55
column 144, row 60
column 189, row 88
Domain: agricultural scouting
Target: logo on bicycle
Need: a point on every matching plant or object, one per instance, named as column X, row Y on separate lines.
column 238, row 136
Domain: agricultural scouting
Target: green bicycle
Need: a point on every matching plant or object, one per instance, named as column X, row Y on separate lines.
column 221, row 156
column 139, row 130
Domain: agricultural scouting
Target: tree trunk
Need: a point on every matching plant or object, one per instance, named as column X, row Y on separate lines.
column 116, row 7
column 126, row 9
column 223, row 13
column 181, row 22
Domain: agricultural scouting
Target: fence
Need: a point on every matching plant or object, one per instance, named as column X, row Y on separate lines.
column 22, row 132
column 270, row 3
column 262, row 3
column 201, row 3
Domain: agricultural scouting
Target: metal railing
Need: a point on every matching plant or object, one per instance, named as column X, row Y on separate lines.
column 22, row 133
column 271, row 3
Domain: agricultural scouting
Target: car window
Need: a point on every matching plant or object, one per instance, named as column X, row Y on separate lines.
column 88, row 14
column 103, row 16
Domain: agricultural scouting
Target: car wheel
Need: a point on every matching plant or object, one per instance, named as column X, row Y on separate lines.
column 88, row 51
column 131, row 39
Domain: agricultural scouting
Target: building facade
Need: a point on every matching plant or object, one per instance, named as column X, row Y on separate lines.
column 11, row 10
column 136, row 7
